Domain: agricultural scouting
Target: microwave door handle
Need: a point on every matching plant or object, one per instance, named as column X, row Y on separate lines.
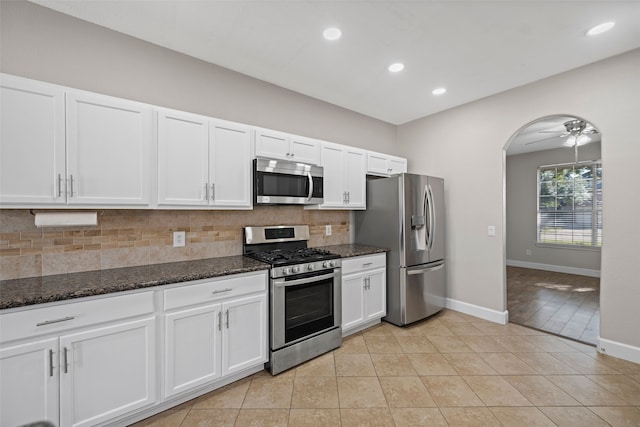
column 310, row 186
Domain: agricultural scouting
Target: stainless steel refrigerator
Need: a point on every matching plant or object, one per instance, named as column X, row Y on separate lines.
column 405, row 213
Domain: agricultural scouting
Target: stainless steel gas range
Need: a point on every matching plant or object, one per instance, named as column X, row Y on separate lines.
column 305, row 299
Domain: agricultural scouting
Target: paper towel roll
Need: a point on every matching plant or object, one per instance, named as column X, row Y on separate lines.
column 66, row 219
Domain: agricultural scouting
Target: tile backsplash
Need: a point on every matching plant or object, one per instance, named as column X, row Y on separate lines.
column 125, row 238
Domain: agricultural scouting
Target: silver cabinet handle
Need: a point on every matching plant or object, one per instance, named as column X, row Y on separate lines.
column 70, row 185
column 219, row 291
column 220, row 321
column 227, row 319
column 206, row 191
column 348, row 197
column 366, row 264
column 213, row 192
column 50, row 362
column 59, row 185
column 66, row 362
column 292, row 154
column 49, row 322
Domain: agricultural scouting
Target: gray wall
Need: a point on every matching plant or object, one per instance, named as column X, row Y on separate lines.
column 38, row 43
column 521, row 218
column 465, row 145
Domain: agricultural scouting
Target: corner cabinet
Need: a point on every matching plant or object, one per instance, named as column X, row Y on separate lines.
column 203, row 162
column 344, row 177
column 385, row 165
column 83, row 149
column 280, row 145
column 364, row 292
column 213, row 328
column 78, row 364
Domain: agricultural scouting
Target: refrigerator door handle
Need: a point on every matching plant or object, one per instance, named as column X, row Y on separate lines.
column 431, row 231
column 425, row 211
column 426, row 269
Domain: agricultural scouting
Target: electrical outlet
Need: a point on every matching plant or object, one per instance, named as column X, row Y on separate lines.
column 528, row 251
column 491, row 230
column 179, row 239
column 327, row 230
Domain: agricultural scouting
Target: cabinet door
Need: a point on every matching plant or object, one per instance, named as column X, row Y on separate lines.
column 107, row 372
column 352, row 300
column 272, row 144
column 192, row 348
column 305, row 150
column 29, row 383
column 32, row 142
column 183, row 152
column 377, row 164
column 355, row 178
column 333, row 164
column 108, row 150
column 230, row 165
column 376, row 294
column 244, row 334
column 397, row 165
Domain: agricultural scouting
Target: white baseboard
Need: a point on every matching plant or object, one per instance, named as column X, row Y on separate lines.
column 557, row 268
column 501, row 317
column 619, row 350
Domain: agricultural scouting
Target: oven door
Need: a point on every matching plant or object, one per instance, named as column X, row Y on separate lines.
column 283, row 182
column 304, row 305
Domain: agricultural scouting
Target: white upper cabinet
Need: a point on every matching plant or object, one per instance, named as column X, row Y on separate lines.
column 109, row 144
column 385, row 165
column 230, row 164
column 344, row 177
column 280, row 145
column 32, row 142
column 183, row 159
column 203, row 162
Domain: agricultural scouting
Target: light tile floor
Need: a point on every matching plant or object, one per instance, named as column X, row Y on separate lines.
column 449, row 370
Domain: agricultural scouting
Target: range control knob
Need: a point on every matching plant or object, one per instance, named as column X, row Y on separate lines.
column 310, row 267
column 295, row 269
column 286, row 271
column 327, row 264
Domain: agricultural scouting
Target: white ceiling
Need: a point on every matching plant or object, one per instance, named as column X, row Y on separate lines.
column 473, row 48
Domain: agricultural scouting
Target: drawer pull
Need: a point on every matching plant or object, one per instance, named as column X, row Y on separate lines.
column 221, row 291
column 366, row 264
column 49, row 322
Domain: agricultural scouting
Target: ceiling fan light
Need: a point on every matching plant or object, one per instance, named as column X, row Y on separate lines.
column 570, row 141
column 583, row 139
column 332, row 34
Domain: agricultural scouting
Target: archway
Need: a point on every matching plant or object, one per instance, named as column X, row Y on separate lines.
column 553, row 226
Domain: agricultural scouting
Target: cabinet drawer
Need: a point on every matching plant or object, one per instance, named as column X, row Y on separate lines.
column 202, row 291
column 58, row 318
column 368, row 262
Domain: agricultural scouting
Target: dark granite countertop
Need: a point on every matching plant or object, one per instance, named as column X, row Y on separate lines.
column 351, row 250
column 37, row 290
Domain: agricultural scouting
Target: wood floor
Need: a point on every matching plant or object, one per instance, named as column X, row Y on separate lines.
column 563, row 304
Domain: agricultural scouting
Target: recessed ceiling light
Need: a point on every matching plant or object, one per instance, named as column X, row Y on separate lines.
column 599, row 29
column 439, row 91
column 332, row 33
column 398, row 66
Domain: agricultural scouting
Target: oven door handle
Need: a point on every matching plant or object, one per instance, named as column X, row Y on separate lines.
column 281, row 283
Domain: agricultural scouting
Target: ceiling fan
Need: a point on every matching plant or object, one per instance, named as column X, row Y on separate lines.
column 576, row 132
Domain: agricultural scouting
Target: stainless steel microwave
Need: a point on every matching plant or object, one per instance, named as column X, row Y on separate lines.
column 283, row 182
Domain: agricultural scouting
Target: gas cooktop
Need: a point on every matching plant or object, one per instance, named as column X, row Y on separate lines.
column 280, row 257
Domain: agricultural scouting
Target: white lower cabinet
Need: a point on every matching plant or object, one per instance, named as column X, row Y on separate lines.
column 78, row 373
column 205, row 342
column 364, row 300
column 29, row 385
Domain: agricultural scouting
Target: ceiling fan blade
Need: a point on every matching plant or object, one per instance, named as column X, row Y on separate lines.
column 552, row 131
column 545, row 139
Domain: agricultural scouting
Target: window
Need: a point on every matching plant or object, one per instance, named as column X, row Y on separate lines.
column 570, row 204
